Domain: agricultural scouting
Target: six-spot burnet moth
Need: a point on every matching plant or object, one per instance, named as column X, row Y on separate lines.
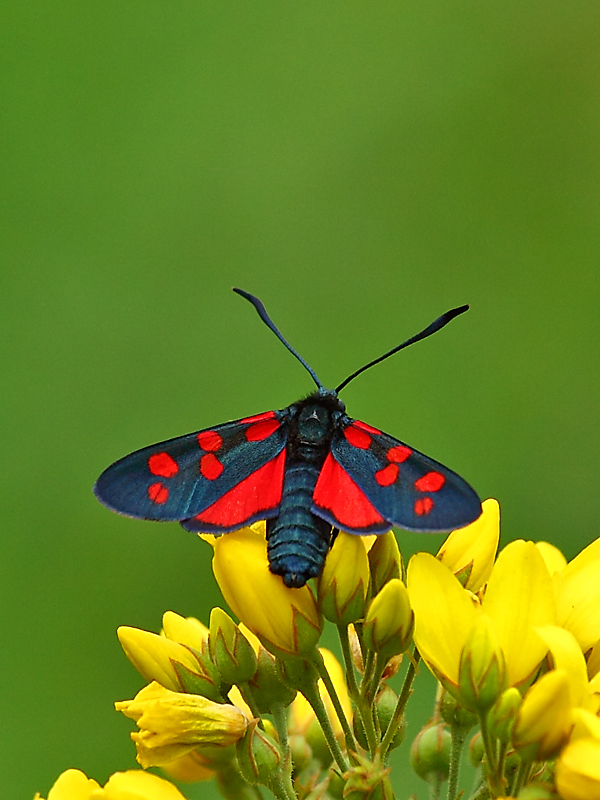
column 308, row 470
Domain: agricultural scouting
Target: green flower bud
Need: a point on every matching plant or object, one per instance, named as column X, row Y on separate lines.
column 476, row 750
column 388, row 626
column 385, row 704
column 259, row 756
column 344, row 583
column 268, row 689
column 302, row 754
column 482, row 670
column 502, row 715
column 455, row 714
column 230, row 650
column 430, row 752
column 385, row 561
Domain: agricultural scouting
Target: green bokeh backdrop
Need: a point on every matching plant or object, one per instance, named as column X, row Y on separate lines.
column 362, row 166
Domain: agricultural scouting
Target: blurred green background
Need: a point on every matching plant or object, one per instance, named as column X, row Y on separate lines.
column 362, row 167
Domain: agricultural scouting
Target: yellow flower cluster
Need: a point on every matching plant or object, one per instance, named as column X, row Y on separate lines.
column 513, row 638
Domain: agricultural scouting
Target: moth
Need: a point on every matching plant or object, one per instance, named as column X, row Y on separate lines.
column 309, row 470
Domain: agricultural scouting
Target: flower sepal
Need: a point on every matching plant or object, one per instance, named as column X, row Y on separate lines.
column 232, row 653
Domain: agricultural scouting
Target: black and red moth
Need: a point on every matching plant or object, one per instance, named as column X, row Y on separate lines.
column 308, row 470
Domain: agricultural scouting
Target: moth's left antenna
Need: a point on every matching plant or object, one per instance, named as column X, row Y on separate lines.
column 262, row 313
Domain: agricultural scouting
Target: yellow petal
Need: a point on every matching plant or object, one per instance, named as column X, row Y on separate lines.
column 473, row 548
column 185, row 630
column 578, row 770
column 579, row 596
column 135, row 784
column 544, row 720
column 567, row 656
column 153, row 655
column 586, row 725
column 444, row 614
column 519, row 597
column 73, row 785
column 553, row 558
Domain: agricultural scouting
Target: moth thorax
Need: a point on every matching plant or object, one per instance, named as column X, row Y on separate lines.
column 314, row 424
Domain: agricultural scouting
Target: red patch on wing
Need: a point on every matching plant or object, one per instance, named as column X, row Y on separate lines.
column 210, row 441
column 261, row 430
column 158, row 493
column 336, row 492
column 260, row 491
column 163, row 465
column 260, row 417
column 387, row 475
column 357, row 437
column 423, row 505
column 399, row 453
column 430, row 482
column 367, row 428
column 210, row 467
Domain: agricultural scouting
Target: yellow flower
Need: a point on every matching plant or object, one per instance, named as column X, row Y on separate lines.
column 544, row 720
column 130, row 785
column 301, row 714
column 470, row 551
column 286, row 621
column 193, row 767
column 388, row 625
column 519, row 597
column 173, row 723
column 175, row 666
column 344, row 582
column 578, row 770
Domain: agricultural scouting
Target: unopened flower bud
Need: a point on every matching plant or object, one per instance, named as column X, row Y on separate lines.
column 476, row 750
column 502, row 715
column 389, row 622
column 185, row 630
column 259, row 756
column 385, row 561
column 344, row 583
column 430, row 752
column 539, row 791
column 544, row 720
column 385, row 704
column 455, row 714
column 268, row 689
column 230, row 650
column 175, row 666
column 482, row 670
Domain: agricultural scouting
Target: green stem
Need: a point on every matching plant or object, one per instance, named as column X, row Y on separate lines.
column 248, row 697
column 367, row 674
column 521, row 776
column 362, row 709
column 351, row 743
column 311, row 692
column 458, row 740
column 494, row 777
column 396, row 720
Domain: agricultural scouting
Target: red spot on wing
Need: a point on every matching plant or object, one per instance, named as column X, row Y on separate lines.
column 163, row 465
column 387, row 475
column 423, row 505
column 261, row 430
column 158, row 492
column 260, row 417
column 430, row 482
column 367, row 428
column 357, row 437
column 210, row 467
column 210, row 441
column 399, row 453
column 336, row 492
column 260, row 491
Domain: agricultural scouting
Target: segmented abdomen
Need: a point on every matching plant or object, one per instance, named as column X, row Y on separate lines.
column 298, row 541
